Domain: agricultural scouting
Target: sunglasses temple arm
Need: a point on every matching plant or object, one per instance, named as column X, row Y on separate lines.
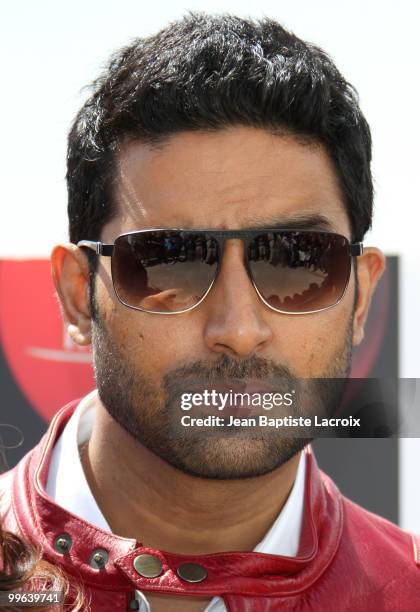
column 98, row 247
column 356, row 249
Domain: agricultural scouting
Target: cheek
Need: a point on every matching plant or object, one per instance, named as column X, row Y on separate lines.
column 309, row 344
column 152, row 345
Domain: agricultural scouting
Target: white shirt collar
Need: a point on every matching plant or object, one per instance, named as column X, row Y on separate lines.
column 67, row 485
column 66, row 482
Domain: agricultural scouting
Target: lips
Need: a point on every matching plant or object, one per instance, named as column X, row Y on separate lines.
column 233, row 397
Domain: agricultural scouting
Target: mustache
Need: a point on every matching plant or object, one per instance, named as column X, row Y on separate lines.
column 228, row 368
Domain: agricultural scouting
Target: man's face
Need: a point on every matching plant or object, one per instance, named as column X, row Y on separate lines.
column 235, row 178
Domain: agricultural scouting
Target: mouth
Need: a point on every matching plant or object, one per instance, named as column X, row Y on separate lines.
column 237, row 397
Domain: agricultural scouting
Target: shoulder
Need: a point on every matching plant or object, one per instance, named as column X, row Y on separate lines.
column 17, row 483
column 379, row 560
column 366, row 530
column 375, row 533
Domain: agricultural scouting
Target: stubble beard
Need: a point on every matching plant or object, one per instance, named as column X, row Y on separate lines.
column 148, row 411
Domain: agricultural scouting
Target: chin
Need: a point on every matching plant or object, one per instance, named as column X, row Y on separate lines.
column 230, row 458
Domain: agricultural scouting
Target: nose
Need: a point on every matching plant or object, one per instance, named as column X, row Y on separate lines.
column 236, row 319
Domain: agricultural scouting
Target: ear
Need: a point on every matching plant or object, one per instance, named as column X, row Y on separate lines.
column 70, row 272
column 370, row 267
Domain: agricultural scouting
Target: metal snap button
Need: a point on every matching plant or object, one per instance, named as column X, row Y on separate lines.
column 148, row 566
column 62, row 543
column 98, row 558
column 192, row 572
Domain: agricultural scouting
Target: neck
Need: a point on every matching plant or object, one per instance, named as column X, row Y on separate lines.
column 143, row 497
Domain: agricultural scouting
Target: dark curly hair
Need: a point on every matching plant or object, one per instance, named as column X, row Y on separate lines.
column 209, row 72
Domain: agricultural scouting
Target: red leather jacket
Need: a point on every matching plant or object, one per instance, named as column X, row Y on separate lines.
column 348, row 559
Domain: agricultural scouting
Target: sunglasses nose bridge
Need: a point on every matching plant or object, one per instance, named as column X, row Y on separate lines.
column 225, row 246
column 224, row 249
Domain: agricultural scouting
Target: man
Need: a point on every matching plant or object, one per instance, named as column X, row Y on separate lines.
column 220, row 174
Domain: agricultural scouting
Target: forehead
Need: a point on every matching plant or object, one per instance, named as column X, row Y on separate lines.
column 234, row 178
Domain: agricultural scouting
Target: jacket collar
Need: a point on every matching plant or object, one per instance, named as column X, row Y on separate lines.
column 250, row 573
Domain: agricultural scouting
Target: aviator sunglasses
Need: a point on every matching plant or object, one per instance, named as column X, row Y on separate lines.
column 170, row 271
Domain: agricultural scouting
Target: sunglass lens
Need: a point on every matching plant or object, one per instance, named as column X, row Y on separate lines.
column 163, row 271
column 300, row 272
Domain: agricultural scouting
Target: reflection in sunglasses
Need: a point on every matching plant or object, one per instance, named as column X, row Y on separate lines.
column 172, row 270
